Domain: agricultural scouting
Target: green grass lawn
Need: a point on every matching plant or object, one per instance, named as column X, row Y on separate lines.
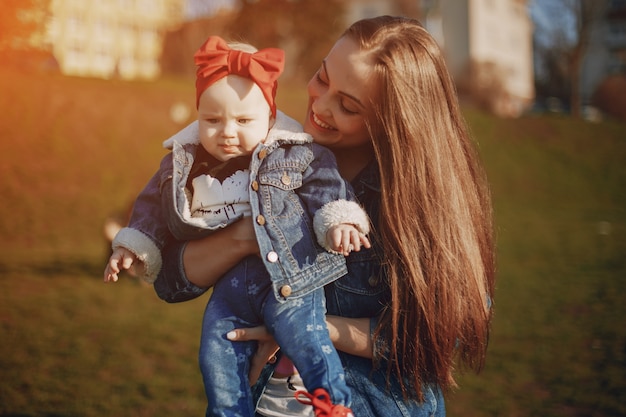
column 76, row 150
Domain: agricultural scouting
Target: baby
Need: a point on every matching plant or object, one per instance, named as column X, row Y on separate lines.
column 245, row 158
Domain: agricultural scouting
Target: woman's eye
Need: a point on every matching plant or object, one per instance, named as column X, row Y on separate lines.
column 346, row 109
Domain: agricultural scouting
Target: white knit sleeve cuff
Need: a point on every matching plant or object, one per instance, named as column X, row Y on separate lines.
column 339, row 212
column 143, row 248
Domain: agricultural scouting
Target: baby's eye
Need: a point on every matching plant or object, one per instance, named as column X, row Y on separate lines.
column 212, row 121
column 244, row 121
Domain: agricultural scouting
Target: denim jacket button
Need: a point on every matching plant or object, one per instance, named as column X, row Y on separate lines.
column 285, row 179
column 272, row 257
column 260, row 220
column 285, row 291
column 255, row 185
column 373, row 281
column 262, row 153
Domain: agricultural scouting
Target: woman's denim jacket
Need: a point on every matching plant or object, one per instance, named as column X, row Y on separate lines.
column 362, row 292
column 291, row 179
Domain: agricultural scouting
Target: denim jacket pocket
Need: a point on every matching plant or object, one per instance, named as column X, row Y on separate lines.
column 279, row 198
column 363, row 291
column 285, row 179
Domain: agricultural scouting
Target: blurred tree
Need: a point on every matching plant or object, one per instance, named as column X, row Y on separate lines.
column 585, row 12
column 411, row 8
column 180, row 44
column 22, row 24
column 305, row 29
column 560, row 43
column 552, row 77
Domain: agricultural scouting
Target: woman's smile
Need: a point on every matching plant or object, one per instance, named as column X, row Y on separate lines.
column 320, row 122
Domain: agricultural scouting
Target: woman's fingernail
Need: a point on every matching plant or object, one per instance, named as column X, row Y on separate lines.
column 231, row 335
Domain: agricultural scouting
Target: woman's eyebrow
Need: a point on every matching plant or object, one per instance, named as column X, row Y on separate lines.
column 343, row 93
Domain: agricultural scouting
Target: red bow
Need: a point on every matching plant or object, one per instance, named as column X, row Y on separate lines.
column 215, row 60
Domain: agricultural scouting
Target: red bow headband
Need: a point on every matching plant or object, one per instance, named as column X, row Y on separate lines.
column 215, row 60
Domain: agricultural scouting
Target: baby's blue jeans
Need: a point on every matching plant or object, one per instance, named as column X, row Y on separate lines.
column 244, row 298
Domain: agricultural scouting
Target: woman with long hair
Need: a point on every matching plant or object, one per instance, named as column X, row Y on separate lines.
column 420, row 301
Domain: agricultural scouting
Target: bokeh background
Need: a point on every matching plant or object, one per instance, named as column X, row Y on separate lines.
column 89, row 90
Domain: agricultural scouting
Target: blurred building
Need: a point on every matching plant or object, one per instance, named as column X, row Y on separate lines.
column 606, row 51
column 487, row 43
column 111, row 38
column 362, row 9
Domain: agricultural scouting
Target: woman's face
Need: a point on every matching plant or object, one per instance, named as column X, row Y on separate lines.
column 339, row 94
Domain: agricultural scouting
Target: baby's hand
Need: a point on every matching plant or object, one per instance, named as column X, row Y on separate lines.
column 345, row 238
column 121, row 259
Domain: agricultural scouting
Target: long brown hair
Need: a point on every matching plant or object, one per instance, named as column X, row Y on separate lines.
column 436, row 215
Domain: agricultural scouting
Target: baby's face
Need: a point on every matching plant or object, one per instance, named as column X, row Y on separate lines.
column 233, row 117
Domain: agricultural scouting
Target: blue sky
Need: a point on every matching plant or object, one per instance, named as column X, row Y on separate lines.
column 195, row 8
column 551, row 16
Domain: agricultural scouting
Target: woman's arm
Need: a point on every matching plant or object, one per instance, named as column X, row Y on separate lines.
column 351, row 335
column 206, row 260
column 191, row 268
column 348, row 335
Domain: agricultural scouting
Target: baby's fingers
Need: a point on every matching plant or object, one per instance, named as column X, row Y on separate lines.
column 111, row 271
column 350, row 242
column 127, row 262
column 365, row 242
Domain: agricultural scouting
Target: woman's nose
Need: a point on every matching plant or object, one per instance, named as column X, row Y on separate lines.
column 318, row 97
column 320, row 105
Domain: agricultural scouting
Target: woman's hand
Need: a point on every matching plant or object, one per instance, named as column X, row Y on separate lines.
column 350, row 335
column 266, row 350
column 243, row 231
column 227, row 247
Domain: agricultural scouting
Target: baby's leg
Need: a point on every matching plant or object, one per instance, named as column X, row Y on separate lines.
column 225, row 364
column 299, row 327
